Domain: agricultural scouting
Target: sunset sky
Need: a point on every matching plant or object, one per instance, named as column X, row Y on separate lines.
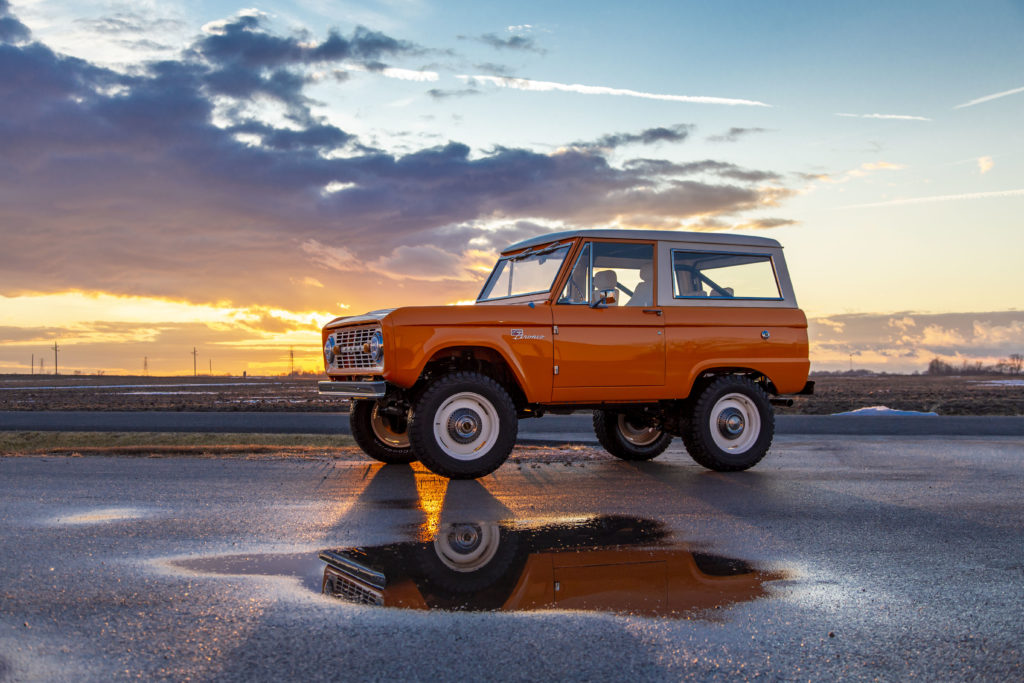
column 228, row 177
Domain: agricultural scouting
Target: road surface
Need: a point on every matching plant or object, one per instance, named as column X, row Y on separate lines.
column 891, row 558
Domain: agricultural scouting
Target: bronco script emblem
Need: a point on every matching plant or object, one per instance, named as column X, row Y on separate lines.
column 517, row 333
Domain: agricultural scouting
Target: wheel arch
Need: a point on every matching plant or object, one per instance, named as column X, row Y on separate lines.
column 706, row 376
column 482, row 358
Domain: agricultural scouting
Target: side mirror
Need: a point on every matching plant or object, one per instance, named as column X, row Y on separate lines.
column 606, row 298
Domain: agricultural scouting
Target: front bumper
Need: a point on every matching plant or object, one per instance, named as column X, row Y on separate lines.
column 353, row 389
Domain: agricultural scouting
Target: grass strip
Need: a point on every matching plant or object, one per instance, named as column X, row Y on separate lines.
column 165, row 443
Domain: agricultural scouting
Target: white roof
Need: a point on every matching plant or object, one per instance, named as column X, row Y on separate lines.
column 663, row 235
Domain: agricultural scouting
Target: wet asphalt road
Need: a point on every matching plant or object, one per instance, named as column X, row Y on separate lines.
column 902, row 557
column 550, row 429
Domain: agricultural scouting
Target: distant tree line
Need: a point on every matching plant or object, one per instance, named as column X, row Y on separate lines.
column 1006, row 366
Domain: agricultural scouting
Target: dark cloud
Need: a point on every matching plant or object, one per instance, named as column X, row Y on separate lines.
column 734, row 134
column 493, row 69
column 11, row 30
column 122, row 182
column 719, row 168
column 513, row 42
column 676, row 133
column 439, row 94
column 245, row 42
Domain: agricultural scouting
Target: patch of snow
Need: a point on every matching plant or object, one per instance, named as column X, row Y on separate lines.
column 886, row 411
column 1002, row 383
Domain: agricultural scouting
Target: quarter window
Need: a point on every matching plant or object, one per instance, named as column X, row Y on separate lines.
column 723, row 276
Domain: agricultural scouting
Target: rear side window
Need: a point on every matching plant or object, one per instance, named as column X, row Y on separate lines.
column 717, row 275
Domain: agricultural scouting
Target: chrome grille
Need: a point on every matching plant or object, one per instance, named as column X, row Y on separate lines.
column 348, row 348
column 346, row 588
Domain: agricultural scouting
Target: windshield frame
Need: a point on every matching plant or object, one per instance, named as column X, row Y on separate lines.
column 531, row 253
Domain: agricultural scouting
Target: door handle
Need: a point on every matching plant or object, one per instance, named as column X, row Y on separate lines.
column 656, row 311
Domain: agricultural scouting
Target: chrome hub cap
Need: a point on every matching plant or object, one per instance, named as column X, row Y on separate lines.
column 464, row 425
column 730, row 423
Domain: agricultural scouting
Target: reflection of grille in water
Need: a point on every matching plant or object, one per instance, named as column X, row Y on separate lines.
column 345, row 587
column 348, row 348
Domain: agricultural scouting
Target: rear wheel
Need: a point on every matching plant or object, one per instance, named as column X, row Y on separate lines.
column 464, row 426
column 625, row 439
column 381, row 436
column 731, row 425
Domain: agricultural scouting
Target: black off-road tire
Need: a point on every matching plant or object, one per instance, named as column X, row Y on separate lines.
column 712, row 428
column 361, row 422
column 631, row 445
column 444, row 416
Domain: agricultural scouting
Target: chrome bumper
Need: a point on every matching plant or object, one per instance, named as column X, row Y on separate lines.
column 353, row 389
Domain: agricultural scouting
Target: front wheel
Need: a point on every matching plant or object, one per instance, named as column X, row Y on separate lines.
column 382, row 437
column 627, row 440
column 464, row 426
column 731, row 425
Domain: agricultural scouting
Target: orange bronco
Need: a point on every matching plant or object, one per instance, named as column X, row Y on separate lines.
column 659, row 333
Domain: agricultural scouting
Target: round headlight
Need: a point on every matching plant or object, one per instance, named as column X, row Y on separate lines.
column 329, row 350
column 377, row 347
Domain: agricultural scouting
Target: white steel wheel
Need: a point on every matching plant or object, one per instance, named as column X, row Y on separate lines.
column 466, row 426
column 735, row 423
column 638, row 436
column 382, row 430
column 467, row 547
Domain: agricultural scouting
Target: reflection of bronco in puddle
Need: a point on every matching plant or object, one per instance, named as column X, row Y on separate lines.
column 612, row 563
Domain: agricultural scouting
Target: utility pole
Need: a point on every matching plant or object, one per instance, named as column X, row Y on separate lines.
column 851, row 362
column 195, row 355
column 33, row 370
column 291, row 359
column 55, row 350
column 145, row 365
column 211, row 367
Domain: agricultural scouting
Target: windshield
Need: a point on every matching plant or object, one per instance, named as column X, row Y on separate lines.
column 531, row 272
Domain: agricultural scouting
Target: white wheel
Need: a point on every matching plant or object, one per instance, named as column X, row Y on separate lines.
column 466, row 426
column 383, row 431
column 735, row 423
column 638, row 436
column 467, row 547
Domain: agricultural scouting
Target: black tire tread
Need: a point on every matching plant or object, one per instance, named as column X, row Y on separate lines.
column 698, row 446
column 421, row 426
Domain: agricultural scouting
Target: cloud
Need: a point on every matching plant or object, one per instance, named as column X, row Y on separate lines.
column 676, row 133
column 985, row 164
column 720, row 168
column 551, row 86
column 441, row 94
column 11, row 30
column 904, row 342
column 891, row 117
column 165, row 180
column 512, row 42
column 989, row 98
column 942, row 198
column 734, row 134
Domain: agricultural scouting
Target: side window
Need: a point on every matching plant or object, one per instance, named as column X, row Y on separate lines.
column 625, row 267
column 723, row 276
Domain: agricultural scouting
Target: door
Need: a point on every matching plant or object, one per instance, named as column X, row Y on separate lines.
column 619, row 344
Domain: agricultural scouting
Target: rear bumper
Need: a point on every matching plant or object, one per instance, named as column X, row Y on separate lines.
column 353, row 389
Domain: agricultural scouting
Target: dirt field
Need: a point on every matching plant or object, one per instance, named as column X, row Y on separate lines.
column 942, row 395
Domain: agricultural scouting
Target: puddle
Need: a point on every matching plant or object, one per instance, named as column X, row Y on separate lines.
column 612, row 564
